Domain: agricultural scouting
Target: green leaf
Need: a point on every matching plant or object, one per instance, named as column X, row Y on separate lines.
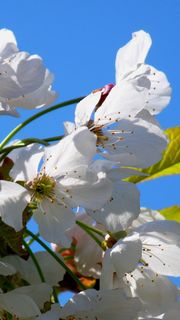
column 171, row 213
column 170, row 162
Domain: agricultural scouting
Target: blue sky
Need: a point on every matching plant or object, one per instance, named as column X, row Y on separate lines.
column 78, row 41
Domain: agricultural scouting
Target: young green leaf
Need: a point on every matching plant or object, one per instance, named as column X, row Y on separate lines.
column 171, row 213
column 170, row 162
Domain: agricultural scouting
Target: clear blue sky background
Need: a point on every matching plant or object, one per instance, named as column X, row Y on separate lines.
column 78, row 41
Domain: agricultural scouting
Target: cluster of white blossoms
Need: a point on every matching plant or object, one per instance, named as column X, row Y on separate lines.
column 24, row 81
column 113, row 255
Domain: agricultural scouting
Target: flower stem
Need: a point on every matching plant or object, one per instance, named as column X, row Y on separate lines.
column 73, row 276
column 30, row 242
column 98, row 231
column 35, row 116
column 25, row 142
column 89, row 232
column 36, row 263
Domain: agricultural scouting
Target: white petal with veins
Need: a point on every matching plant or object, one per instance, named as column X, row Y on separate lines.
column 161, row 246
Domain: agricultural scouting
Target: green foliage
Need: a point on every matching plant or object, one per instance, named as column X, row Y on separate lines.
column 170, row 162
column 171, row 213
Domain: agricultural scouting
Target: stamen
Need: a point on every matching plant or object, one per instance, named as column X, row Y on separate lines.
column 42, row 187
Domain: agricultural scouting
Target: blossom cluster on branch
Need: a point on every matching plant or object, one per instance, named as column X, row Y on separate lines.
column 114, row 256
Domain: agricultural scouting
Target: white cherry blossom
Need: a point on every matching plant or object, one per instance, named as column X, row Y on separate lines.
column 132, row 141
column 120, row 115
column 138, row 86
column 24, row 81
column 64, row 181
column 153, row 245
column 130, row 63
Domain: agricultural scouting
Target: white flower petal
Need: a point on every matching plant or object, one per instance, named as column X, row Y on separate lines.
column 146, row 116
column 8, row 45
column 13, row 200
column 72, row 151
column 9, row 87
column 30, row 72
column 157, row 293
column 101, row 305
column 24, row 81
column 7, row 110
column 107, row 272
column 135, row 143
column 26, row 161
column 43, row 96
column 125, row 100
column 159, row 94
column 40, row 293
column 85, row 108
column 53, row 220
column 69, row 127
column 53, row 314
column 132, row 54
column 6, row 269
column 51, row 269
column 19, row 264
column 113, row 170
column 19, row 305
column 121, row 259
column 88, row 255
column 125, row 254
column 121, row 210
column 147, row 215
column 161, row 244
column 173, row 312
column 87, row 188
